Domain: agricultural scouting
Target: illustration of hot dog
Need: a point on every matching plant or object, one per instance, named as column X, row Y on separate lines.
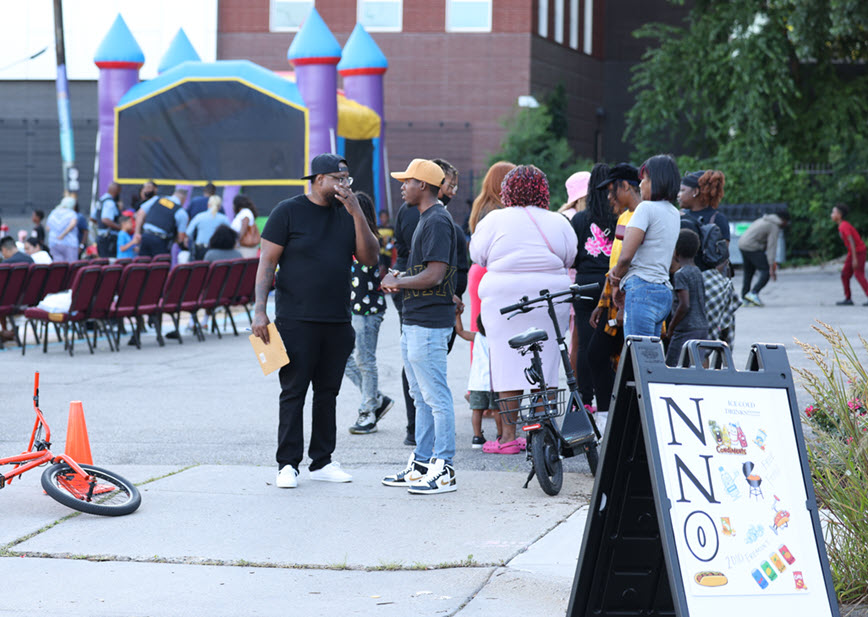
column 711, row 579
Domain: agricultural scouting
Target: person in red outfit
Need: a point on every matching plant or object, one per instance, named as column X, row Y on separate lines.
column 854, row 263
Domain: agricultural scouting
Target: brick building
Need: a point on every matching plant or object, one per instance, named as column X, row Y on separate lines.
column 457, row 67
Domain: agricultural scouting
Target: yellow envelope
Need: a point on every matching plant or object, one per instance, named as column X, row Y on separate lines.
column 272, row 356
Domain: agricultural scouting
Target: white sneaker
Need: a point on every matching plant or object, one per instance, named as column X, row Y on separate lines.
column 287, row 477
column 439, row 479
column 413, row 472
column 331, row 473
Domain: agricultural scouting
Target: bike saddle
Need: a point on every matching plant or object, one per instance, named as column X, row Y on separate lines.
column 529, row 336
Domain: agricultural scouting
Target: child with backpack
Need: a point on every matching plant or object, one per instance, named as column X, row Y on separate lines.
column 688, row 319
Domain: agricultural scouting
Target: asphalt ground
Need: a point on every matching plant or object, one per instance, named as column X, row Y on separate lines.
column 194, row 424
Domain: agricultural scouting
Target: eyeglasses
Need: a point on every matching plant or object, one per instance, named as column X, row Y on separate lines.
column 348, row 180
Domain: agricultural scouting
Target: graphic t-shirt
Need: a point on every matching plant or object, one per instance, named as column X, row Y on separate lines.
column 690, row 278
column 846, row 230
column 433, row 240
column 595, row 245
column 313, row 282
column 366, row 297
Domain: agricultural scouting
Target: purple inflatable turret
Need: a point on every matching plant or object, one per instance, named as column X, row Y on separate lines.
column 180, row 50
column 362, row 68
column 119, row 59
column 314, row 53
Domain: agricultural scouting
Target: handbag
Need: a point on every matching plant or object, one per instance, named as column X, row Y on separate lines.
column 251, row 237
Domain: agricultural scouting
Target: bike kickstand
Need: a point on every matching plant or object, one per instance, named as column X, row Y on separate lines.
column 529, row 476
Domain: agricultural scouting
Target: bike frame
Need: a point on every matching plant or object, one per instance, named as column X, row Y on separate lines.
column 41, row 455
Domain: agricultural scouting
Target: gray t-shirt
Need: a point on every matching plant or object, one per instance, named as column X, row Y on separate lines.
column 661, row 222
column 690, row 278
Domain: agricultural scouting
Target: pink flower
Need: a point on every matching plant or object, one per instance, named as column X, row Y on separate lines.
column 854, row 404
column 809, row 410
column 849, row 440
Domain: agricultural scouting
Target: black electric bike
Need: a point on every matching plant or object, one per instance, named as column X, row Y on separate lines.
column 537, row 412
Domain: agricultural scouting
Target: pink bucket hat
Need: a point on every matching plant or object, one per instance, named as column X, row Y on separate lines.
column 577, row 185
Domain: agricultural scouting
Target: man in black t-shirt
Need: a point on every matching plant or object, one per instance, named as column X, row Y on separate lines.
column 313, row 239
column 428, row 286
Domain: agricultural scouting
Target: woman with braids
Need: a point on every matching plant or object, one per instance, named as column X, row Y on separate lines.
column 595, row 230
column 525, row 248
column 487, row 201
column 699, row 197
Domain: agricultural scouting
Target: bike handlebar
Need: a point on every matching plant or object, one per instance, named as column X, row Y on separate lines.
column 574, row 291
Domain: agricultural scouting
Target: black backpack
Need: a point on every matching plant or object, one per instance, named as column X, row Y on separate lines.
column 713, row 249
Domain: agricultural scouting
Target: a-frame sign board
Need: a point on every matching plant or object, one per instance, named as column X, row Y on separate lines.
column 703, row 504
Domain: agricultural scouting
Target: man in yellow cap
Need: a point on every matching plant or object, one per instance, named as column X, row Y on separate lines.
column 428, row 287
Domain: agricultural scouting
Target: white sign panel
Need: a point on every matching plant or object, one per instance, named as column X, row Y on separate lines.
column 732, row 473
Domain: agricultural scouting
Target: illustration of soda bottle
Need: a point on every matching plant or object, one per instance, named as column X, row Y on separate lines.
column 727, row 443
column 741, row 438
column 729, row 484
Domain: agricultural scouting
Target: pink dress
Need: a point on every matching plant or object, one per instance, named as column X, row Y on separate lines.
column 520, row 263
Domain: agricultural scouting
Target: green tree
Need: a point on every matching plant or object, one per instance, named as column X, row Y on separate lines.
column 761, row 89
column 537, row 136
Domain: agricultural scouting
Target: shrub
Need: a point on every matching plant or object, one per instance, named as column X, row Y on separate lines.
column 838, row 454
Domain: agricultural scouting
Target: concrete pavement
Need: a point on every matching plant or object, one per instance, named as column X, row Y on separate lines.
column 194, row 426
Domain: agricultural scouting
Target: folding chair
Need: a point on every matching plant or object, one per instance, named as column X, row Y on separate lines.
column 227, row 294
column 150, row 298
column 124, row 306
column 211, row 292
column 102, row 302
column 173, row 295
column 83, row 286
column 11, row 290
column 246, row 292
column 190, row 302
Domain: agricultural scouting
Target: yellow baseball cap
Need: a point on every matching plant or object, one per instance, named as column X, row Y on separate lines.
column 422, row 170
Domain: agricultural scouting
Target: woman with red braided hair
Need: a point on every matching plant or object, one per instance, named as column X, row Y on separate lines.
column 525, row 248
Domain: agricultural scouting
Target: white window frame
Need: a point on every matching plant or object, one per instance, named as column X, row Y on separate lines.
column 400, row 28
column 588, row 46
column 559, row 21
column 574, row 24
column 272, row 27
column 450, row 3
column 543, row 18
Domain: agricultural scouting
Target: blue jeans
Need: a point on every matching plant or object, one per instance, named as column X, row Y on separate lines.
column 424, row 353
column 645, row 307
column 362, row 364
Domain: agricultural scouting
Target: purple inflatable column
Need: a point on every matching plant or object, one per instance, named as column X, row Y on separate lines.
column 362, row 68
column 314, row 53
column 119, row 59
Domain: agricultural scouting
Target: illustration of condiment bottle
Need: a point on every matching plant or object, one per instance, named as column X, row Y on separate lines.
column 741, row 438
column 729, row 484
column 727, row 443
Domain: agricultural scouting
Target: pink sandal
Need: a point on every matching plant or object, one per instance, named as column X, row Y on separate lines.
column 495, row 447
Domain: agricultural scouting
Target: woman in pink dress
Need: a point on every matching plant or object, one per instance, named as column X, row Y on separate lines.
column 525, row 248
column 487, row 201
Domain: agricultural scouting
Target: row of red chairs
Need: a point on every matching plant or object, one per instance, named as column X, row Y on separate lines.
column 105, row 295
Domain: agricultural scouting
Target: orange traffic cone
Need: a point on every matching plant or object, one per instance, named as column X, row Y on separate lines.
column 77, row 442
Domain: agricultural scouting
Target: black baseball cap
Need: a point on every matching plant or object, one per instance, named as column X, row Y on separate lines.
column 327, row 163
column 621, row 171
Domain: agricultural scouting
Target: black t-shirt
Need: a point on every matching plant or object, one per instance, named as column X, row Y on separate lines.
column 405, row 225
column 313, row 282
column 434, row 240
column 595, row 245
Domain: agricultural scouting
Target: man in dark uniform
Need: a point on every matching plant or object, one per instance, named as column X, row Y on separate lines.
column 106, row 218
column 160, row 222
column 313, row 239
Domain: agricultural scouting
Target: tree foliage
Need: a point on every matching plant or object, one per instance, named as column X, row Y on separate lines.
column 761, row 89
column 537, row 136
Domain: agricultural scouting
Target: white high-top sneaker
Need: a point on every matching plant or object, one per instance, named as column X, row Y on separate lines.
column 439, row 479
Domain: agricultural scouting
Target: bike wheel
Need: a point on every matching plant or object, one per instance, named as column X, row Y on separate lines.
column 545, row 451
column 593, row 455
column 111, row 496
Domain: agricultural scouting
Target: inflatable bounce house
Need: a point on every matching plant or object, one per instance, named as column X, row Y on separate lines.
column 237, row 124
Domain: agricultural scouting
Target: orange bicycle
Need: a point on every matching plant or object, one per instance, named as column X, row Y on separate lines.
column 79, row 486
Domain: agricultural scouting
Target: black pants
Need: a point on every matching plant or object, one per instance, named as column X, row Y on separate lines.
column 107, row 245
column 318, row 354
column 754, row 261
column 583, row 310
column 153, row 245
column 601, row 348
